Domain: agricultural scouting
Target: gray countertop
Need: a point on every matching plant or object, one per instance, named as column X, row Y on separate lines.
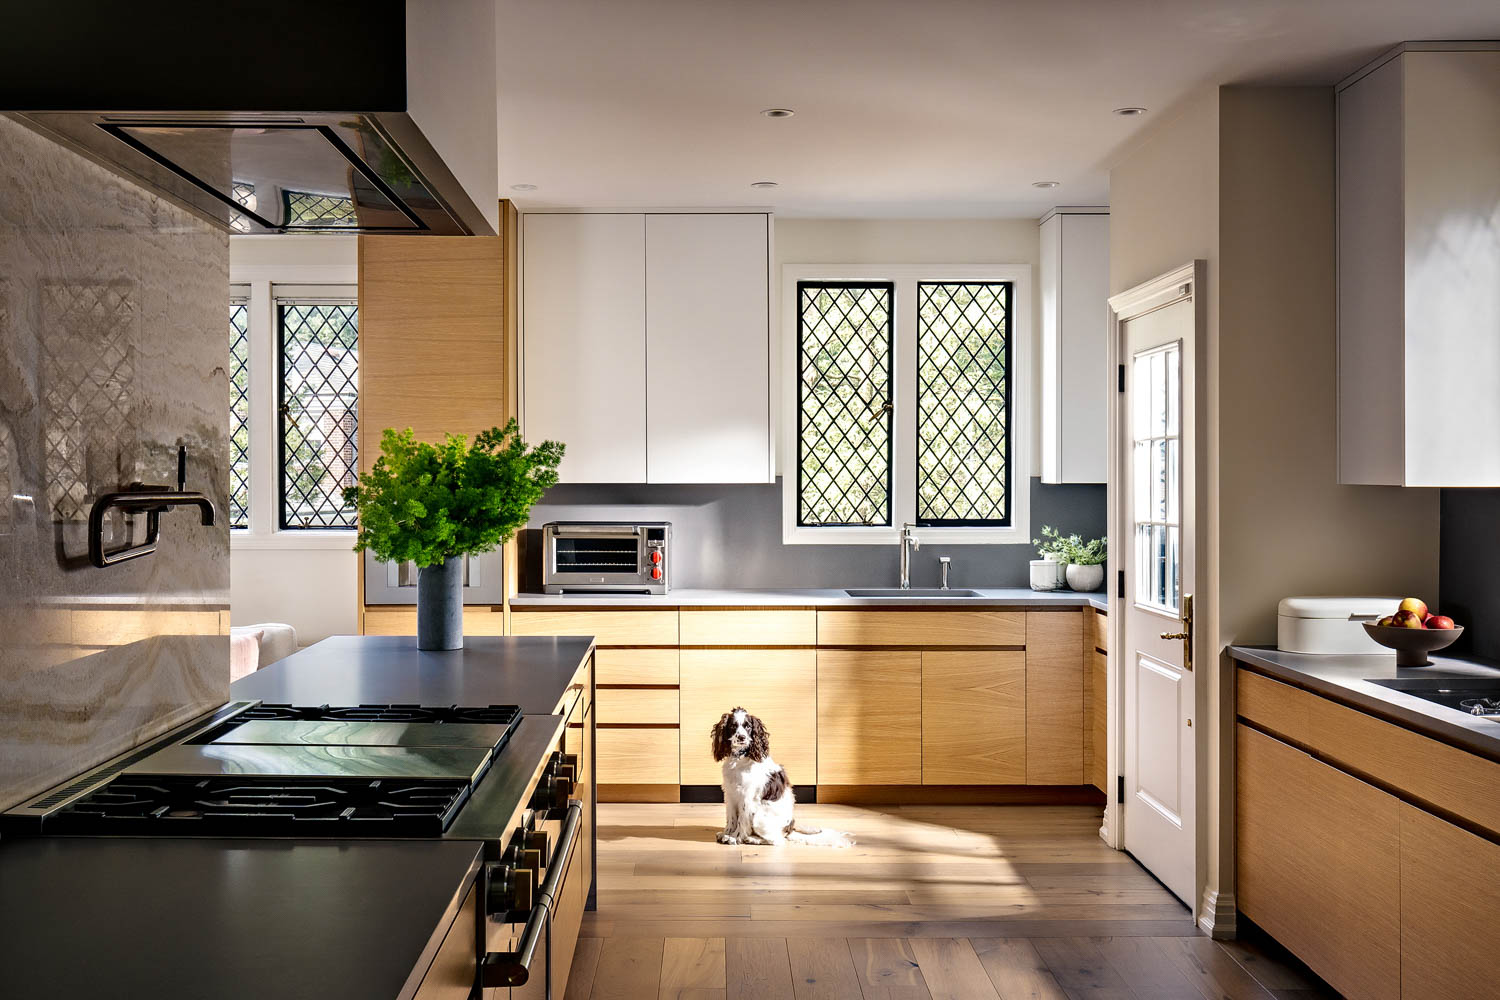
column 1005, row 597
column 1347, row 678
column 250, row 919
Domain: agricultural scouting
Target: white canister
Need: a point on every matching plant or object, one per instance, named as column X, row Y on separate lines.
column 1047, row 574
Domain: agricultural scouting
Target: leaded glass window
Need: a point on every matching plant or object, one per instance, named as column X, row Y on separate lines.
column 963, row 403
column 845, row 357
column 239, row 413
column 308, row 210
column 319, row 405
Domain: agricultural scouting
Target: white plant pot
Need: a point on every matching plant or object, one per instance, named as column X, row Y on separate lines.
column 1086, row 578
column 1047, row 574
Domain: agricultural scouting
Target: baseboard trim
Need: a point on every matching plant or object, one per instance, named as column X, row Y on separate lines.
column 1217, row 917
column 638, row 793
column 997, row 795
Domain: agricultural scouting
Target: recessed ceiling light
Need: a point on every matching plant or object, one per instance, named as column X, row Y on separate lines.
column 778, row 112
column 763, row 185
column 523, row 187
column 1129, row 112
column 1046, row 184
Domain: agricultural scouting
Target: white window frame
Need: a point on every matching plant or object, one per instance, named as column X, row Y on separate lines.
column 263, row 284
column 904, row 376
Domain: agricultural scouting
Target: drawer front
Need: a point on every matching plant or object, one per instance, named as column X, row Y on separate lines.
column 1278, row 707
column 403, row 621
column 637, row 706
column 635, row 666
column 778, row 685
column 1096, row 628
column 451, row 974
column 609, row 628
column 636, row 756
column 921, row 628
column 753, row 627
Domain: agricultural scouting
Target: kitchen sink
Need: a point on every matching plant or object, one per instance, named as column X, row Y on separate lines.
column 913, row 592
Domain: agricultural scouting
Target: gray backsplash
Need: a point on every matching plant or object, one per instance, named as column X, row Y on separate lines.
column 1469, row 573
column 729, row 537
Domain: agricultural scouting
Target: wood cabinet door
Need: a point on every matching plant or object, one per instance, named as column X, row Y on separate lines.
column 583, row 342
column 1054, row 698
column 869, row 717
column 1450, row 907
column 708, row 337
column 778, row 685
column 973, row 717
column 1318, row 864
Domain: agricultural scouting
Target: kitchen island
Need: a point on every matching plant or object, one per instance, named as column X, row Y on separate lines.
column 287, row 918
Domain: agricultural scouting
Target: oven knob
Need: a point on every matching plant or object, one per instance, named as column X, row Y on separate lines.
column 511, row 888
column 656, row 572
column 656, row 557
column 551, row 793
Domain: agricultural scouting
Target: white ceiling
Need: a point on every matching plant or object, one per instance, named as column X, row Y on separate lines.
column 918, row 109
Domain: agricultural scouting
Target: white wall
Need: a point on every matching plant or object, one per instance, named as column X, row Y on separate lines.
column 305, row 579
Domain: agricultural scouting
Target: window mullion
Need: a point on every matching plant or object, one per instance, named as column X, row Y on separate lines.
column 904, row 453
column 263, row 362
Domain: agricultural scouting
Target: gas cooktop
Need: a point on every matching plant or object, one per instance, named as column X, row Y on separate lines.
column 503, row 715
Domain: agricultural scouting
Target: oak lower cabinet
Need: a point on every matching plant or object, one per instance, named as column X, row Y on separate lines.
column 1054, row 698
column 1450, row 908
column 1319, row 865
column 868, row 730
column 973, row 717
column 778, row 685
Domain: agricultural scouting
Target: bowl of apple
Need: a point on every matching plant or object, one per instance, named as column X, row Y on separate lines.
column 1413, row 632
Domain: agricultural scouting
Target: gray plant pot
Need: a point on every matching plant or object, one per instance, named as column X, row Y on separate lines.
column 440, row 605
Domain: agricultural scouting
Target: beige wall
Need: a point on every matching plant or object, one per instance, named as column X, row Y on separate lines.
column 920, row 241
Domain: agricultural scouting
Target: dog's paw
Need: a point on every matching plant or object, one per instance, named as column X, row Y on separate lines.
column 728, row 838
column 757, row 840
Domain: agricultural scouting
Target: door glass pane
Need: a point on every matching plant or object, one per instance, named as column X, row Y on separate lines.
column 1157, row 469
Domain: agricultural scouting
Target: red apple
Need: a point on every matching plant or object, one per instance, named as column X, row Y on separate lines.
column 1415, row 606
column 1439, row 621
column 1387, row 621
column 1406, row 619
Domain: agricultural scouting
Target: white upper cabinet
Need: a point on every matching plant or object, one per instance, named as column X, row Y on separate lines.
column 645, row 345
column 1419, row 269
column 707, row 349
column 1074, row 276
column 584, row 342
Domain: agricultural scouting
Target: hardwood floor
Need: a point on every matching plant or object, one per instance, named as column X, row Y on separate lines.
column 933, row 903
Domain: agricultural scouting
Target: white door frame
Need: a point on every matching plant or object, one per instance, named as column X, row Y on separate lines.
column 1123, row 307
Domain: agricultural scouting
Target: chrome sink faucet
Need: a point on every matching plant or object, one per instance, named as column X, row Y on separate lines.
column 945, row 562
column 908, row 541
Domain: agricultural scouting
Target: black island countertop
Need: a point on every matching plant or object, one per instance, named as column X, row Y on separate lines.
column 250, row 919
column 1349, row 678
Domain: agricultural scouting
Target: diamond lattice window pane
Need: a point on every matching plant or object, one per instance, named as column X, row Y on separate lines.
column 309, row 210
column 319, row 404
column 239, row 414
column 844, row 351
column 963, row 403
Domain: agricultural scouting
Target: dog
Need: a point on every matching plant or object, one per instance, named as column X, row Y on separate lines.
column 758, row 798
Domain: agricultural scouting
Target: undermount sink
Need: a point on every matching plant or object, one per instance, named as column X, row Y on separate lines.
column 913, row 592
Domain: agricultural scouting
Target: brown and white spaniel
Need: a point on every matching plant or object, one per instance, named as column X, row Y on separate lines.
column 758, row 798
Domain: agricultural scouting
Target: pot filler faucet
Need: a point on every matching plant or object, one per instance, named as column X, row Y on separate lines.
column 908, row 541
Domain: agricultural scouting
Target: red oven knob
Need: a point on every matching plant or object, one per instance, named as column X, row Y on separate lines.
column 656, row 557
column 656, row 572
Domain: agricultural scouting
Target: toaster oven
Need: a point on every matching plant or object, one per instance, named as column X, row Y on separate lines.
column 606, row 557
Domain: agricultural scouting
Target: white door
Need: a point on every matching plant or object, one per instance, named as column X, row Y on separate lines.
column 1156, row 325
column 583, row 342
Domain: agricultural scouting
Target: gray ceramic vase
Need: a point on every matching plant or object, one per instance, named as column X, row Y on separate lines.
column 440, row 605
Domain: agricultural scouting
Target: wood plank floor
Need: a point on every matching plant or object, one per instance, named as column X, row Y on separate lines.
column 933, row 903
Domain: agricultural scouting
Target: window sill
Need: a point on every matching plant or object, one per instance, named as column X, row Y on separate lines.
column 241, row 538
column 1016, row 535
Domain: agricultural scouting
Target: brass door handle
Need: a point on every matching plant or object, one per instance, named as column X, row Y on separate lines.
column 1176, row 635
column 1187, row 634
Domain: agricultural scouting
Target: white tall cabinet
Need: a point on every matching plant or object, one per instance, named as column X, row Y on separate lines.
column 1074, row 277
column 1419, row 268
column 645, row 345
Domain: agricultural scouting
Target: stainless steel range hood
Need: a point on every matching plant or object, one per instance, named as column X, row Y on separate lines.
column 350, row 116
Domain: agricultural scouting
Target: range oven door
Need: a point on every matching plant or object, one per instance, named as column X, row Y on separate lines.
column 528, row 952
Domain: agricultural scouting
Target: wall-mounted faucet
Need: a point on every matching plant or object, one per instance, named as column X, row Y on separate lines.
column 153, row 501
column 908, row 541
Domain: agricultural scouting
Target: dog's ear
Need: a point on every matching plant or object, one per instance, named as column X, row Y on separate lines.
column 760, row 740
column 719, row 735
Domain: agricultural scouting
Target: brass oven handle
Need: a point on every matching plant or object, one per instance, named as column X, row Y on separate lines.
column 512, row 968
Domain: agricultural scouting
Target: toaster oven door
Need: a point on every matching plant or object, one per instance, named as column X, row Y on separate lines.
column 594, row 558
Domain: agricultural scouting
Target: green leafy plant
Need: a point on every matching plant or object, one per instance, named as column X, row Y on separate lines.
column 1071, row 549
column 425, row 503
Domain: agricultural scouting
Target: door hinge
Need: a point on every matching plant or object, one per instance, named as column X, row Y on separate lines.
column 1120, row 584
column 1122, row 378
column 1120, row 789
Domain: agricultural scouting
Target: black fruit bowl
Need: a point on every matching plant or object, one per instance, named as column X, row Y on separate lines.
column 1413, row 644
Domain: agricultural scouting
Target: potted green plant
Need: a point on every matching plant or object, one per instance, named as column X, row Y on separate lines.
column 1048, row 571
column 434, row 504
column 1084, row 560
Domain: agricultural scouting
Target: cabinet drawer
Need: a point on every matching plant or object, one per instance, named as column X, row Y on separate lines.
column 451, row 974
column 609, row 628
column 403, row 621
column 636, row 756
column 921, row 628
column 1096, row 629
column 1447, row 935
column 635, row 666
column 753, row 627
column 637, row 706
